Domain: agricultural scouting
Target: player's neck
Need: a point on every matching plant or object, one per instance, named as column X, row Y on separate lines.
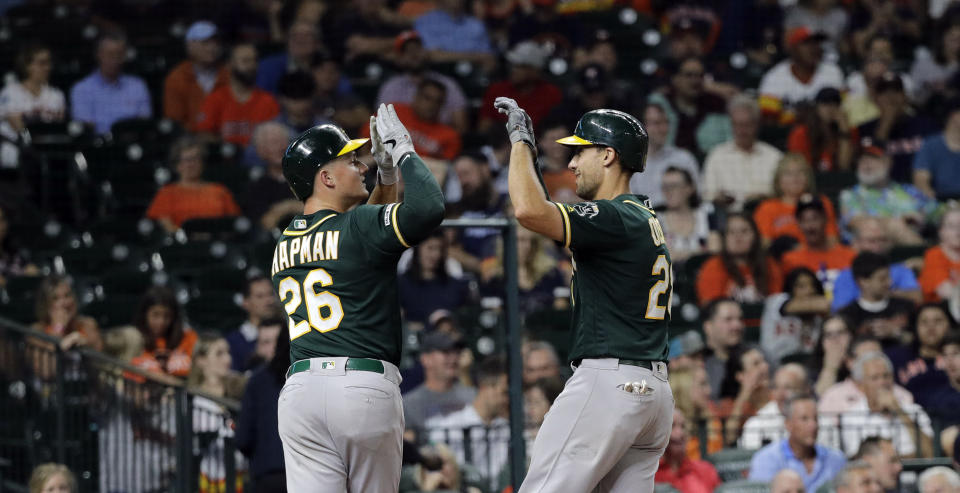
column 314, row 204
column 616, row 183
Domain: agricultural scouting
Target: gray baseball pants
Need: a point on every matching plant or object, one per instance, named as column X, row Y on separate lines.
column 599, row 437
column 342, row 430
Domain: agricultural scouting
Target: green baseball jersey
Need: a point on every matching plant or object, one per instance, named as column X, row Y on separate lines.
column 622, row 283
column 336, row 274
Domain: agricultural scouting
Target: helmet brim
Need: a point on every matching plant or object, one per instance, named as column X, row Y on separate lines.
column 574, row 140
column 352, row 146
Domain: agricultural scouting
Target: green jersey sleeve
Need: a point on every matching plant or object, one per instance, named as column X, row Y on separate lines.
column 591, row 225
column 377, row 225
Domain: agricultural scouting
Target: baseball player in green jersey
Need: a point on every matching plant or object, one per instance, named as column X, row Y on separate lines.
column 335, row 269
column 610, row 425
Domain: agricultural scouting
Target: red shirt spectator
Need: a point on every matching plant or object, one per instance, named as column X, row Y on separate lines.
column 189, row 83
column 525, row 85
column 837, row 257
column 776, row 218
column 941, row 264
column 678, row 470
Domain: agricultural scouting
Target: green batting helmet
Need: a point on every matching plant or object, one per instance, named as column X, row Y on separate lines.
column 616, row 129
column 310, row 151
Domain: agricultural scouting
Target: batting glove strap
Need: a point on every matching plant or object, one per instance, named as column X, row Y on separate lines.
column 388, row 176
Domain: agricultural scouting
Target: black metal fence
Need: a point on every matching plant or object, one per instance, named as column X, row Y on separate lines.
column 119, row 429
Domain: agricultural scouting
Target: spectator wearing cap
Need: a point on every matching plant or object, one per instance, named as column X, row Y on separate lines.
column 898, row 130
column 525, row 84
column 816, row 252
column 870, row 235
column 686, row 351
column 822, row 134
column 792, row 320
column 776, row 216
column 690, row 108
column 691, row 30
column 451, row 35
column 819, row 16
column 800, row 77
column 296, row 93
column 741, row 169
column 189, row 83
column 440, row 393
column 268, row 201
column 680, row 471
column 303, row 41
column 660, row 156
column 879, row 412
column 936, row 167
column 904, row 208
column 859, row 103
column 108, row 95
column 431, row 138
column 591, row 92
column 940, row 277
column 799, row 451
column 232, row 111
column 411, row 59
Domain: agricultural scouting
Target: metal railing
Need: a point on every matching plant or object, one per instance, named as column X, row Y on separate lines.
column 120, row 429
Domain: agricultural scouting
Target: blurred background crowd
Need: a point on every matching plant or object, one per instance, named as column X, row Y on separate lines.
column 804, row 158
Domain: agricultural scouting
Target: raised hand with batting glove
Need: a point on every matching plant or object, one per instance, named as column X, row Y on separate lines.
column 519, row 124
column 386, row 167
column 395, row 137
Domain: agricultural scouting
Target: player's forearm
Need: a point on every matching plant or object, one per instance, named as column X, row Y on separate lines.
column 384, row 194
column 529, row 198
column 423, row 206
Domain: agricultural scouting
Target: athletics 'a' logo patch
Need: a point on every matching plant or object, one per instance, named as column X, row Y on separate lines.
column 299, row 224
column 588, row 210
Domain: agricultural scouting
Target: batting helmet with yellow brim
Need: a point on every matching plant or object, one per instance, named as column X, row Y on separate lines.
column 311, row 151
column 616, row 129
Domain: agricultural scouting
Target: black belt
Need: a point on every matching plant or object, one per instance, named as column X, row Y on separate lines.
column 632, row 362
column 359, row 364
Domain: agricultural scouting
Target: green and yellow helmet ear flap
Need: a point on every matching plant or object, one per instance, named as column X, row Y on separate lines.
column 310, row 151
column 616, row 129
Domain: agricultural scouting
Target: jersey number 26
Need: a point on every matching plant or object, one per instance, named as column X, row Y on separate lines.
column 289, row 287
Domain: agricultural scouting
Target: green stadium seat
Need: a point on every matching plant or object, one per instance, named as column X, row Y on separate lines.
column 128, row 278
column 220, row 278
column 114, row 310
column 731, row 464
column 215, row 310
column 743, row 487
column 195, row 255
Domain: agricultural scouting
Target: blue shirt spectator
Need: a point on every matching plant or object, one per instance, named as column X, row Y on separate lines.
column 107, row 95
column 846, row 291
column 773, row 458
column 444, row 31
column 938, row 167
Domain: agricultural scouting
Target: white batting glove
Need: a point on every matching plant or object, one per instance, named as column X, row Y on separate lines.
column 396, row 139
column 386, row 168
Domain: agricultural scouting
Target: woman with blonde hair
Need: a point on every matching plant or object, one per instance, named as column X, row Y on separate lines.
column 57, row 315
column 52, row 478
column 775, row 217
column 691, row 393
column 538, row 273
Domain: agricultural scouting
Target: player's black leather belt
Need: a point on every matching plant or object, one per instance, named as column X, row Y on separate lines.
column 632, row 362
column 359, row 364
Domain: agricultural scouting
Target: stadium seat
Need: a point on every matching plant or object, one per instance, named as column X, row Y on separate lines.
column 220, row 228
column 731, row 464
column 220, row 277
column 130, row 229
column 215, row 310
column 93, row 260
column 199, row 254
column 743, row 487
column 113, row 311
column 128, row 278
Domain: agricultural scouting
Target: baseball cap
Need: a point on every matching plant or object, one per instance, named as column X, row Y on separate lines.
column 401, row 40
column 890, row 81
column 686, row 344
column 200, row 31
column 829, row 95
column 438, row 341
column 528, row 53
column 438, row 316
column 593, row 78
column 808, row 201
column 803, row 34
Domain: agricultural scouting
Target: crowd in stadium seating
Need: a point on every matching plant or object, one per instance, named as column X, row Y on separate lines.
column 804, row 158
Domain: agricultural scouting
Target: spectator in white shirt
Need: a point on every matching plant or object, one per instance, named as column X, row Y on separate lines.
column 660, row 156
column 485, row 419
column 767, row 425
column 742, row 169
column 28, row 99
column 879, row 412
column 802, row 75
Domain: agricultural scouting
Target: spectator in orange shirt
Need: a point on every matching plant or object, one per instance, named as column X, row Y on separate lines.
column 430, row 137
column 168, row 344
column 940, row 277
column 823, row 135
column 816, row 253
column 233, row 110
column 189, row 83
column 742, row 270
column 190, row 197
column 776, row 216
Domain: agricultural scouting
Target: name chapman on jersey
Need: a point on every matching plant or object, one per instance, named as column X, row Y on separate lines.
column 319, row 245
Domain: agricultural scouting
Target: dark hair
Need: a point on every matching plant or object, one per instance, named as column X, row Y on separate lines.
column 810, row 202
column 951, row 339
column 248, row 288
column 111, row 35
column 820, row 134
column 673, row 66
column 431, row 82
column 794, row 276
column 730, row 387
column 942, row 306
column 163, row 296
column 550, row 386
column 712, row 308
column 867, row 263
column 869, row 446
column 490, row 370
column 858, row 340
column 281, row 356
column 184, row 143
column 694, row 200
column 441, row 270
column 816, row 362
column 297, row 85
column 948, row 23
column 756, row 257
column 25, row 58
column 272, row 320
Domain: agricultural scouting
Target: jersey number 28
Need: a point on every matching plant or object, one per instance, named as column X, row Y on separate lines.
column 314, row 300
column 656, row 311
